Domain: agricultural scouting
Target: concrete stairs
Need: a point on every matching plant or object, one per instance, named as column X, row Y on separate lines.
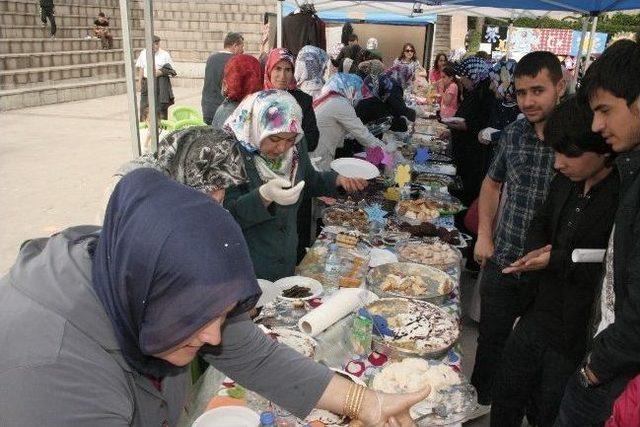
column 38, row 70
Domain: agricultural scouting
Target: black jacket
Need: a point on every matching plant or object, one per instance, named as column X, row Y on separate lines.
column 616, row 350
column 562, row 295
column 212, row 88
column 309, row 125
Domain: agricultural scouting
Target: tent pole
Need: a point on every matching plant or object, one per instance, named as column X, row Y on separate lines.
column 433, row 48
column 509, row 35
column 151, row 73
column 574, row 81
column 279, row 25
column 592, row 36
column 132, row 102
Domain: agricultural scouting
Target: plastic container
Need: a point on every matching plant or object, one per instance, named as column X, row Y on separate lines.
column 332, row 267
column 267, row 419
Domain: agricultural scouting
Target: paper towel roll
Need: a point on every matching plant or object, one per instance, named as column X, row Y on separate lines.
column 337, row 306
column 588, row 255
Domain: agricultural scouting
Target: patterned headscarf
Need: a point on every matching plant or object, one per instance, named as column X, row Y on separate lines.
column 476, row 69
column 372, row 43
column 242, row 76
column 276, row 55
column 260, row 115
column 311, row 65
column 376, row 84
column 502, row 78
column 200, row 157
column 401, row 74
column 347, row 85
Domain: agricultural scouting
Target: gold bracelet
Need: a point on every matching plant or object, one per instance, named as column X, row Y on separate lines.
column 353, row 403
column 347, row 400
column 358, row 406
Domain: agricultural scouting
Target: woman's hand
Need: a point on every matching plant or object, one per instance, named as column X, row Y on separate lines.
column 534, row 260
column 351, row 185
column 382, row 409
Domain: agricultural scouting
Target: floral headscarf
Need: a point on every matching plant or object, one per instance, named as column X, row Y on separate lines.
column 346, row 85
column 376, row 84
column 476, row 69
column 311, row 65
column 276, row 55
column 372, row 43
column 260, row 115
column 502, row 78
column 401, row 74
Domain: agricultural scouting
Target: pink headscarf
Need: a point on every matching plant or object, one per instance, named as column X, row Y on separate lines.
column 276, row 55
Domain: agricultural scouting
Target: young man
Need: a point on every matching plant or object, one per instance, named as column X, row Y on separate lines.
column 549, row 341
column 213, row 73
column 524, row 165
column 164, row 95
column 612, row 89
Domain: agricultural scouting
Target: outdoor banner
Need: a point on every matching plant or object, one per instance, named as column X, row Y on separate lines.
column 599, row 43
column 525, row 40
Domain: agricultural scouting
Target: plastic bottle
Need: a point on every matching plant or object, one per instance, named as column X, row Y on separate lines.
column 267, row 419
column 332, row 267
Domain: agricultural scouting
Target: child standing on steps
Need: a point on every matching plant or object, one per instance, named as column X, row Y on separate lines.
column 47, row 11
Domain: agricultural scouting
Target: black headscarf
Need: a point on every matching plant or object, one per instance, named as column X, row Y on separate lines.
column 169, row 260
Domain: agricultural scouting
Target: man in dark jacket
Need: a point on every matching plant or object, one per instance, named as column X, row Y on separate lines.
column 548, row 342
column 612, row 89
column 213, row 73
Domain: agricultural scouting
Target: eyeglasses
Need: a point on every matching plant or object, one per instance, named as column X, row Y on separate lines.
column 409, row 50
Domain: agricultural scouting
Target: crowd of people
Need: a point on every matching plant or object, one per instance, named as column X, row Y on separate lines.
column 171, row 274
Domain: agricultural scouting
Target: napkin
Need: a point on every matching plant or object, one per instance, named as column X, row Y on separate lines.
column 334, row 308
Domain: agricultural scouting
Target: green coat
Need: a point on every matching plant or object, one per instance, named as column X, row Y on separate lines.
column 271, row 232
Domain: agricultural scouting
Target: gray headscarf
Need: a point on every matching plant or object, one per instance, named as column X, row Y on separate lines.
column 201, row 157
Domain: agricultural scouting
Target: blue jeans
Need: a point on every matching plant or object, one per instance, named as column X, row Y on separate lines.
column 499, row 307
column 588, row 407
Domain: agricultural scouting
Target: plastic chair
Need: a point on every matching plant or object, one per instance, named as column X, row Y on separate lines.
column 182, row 112
column 182, row 124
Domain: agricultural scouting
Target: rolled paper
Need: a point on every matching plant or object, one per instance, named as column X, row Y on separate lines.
column 588, row 255
column 334, row 308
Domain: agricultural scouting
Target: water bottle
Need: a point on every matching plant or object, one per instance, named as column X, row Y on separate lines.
column 332, row 268
column 267, row 419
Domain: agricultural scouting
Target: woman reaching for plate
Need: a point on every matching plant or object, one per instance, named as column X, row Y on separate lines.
column 267, row 126
column 99, row 325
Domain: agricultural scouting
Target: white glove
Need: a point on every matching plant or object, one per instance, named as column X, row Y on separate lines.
column 484, row 136
column 277, row 191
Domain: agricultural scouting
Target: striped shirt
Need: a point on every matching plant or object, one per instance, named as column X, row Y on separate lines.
column 524, row 164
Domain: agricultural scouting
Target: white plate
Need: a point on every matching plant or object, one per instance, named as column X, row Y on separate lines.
column 285, row 283
column 228, row 416
column 351, row 167
column 452, row 120
column 299, row 341
column 269, row 292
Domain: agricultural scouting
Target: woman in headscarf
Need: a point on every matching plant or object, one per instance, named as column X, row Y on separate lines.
column 383, row 97
column 402, row 74
column 337, row 117
column 477, row 100
column 267, row 126
column 279, row 74
column 99, row 325
column 311, row 64
column 242, row 76
column 200, row 157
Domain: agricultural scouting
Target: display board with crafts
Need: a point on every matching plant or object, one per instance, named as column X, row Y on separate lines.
column 376, row 298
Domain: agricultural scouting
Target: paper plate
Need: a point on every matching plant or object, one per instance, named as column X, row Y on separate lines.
column 351, row 167
column 269, row 292
column 228, row 416
column 314, row 286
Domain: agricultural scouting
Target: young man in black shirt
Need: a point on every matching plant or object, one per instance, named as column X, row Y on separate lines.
column 548, row 342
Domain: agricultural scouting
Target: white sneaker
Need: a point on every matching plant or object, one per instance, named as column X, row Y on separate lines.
column 478, row 411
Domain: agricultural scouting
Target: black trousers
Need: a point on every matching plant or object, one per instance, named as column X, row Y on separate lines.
column 48, row 13
column 588, row 407
column 532, row 375
column 499, row 308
